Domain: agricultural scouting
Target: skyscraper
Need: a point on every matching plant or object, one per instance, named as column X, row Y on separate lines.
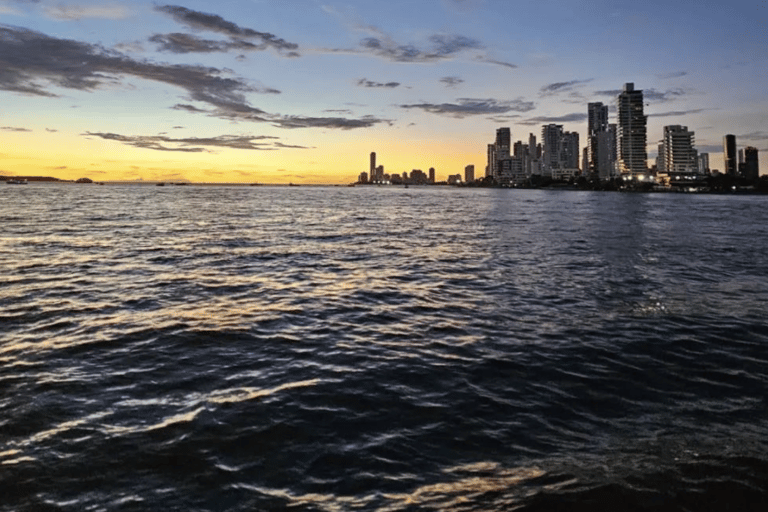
column 373, row 164
column 751, row 164
column 551, row 138
column 632, row 134
column 490, row 169
column 729, row 154
column 569, row 150
column 597, row 123
column 503, row 143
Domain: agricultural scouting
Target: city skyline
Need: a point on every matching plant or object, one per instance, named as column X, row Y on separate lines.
column 258, row 91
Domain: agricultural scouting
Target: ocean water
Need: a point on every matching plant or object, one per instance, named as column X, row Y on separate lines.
column 381, row 348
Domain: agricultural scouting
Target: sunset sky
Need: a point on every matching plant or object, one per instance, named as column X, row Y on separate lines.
column 303, row 90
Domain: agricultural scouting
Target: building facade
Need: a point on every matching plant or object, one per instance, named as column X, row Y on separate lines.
column 631, row 133
column 729, row 155
column 679, row 152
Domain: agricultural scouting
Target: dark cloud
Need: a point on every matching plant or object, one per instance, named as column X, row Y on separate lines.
column 14, row 129
column 753, row 136
column 465, row 107
column 442, row 47
column 674, row 74
column 34, row 63
column 650, row 94
column 214, row 23
column 576, row 117
column 678, row 112
column 186, row 43
column 451, row 81
column 189, row 108
column 30, row 62
column 327, row 122
column 289, row 146
column 497, row 62
column 504, row 119
column 193, row 144
column 363, row 82
column 51, row 130
column 663, row 96
column 559, row 87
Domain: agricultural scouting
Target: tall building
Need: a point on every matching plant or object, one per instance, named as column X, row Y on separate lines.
column 551, row 138
column 679, row 154
column 751, row 164
column 503, row 143
column 373, row 164
column 703, row 163
column 597, row 124
column 491, row 168
column 729, row 154
column 569, row 150
column 631, row 132
column 469, row 174
column 431, row 174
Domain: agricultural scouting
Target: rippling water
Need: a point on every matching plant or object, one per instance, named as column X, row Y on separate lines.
column 335, row 349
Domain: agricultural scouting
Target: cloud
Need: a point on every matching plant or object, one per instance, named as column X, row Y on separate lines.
column 497, row 62
column 674, row 74
column 674, row 113
column 472, row 107
column 31, row 62
column 363, row 82
column 575, row 117
column 451, row 81
column 327, row 122
column 663, row 96
column 213, row 23
column 78, row 12
column 194, row 144
column 560, row 87
column 442, row 47
column 650, row 94
column 186, row 43
column 14, row 129
column 753, row 136
column 35, row 64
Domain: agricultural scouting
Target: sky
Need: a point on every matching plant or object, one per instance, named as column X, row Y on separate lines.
column 303, row 91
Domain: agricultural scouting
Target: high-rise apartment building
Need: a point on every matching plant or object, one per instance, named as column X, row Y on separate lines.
column 597, row 124
column 679, row 153
column 569, row 150
column 503, row 143
column 491, row 168
column 632, row 132
column 751, row 164
column 729, row 154
column 373, row 164
column 703, row 163
column 551, row 138
column 469, row 174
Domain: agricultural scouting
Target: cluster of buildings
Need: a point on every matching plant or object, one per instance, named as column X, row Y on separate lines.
column 377, row 176
column 613, row 150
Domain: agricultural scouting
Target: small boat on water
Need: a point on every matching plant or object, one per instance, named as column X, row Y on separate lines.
column 16, row 182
